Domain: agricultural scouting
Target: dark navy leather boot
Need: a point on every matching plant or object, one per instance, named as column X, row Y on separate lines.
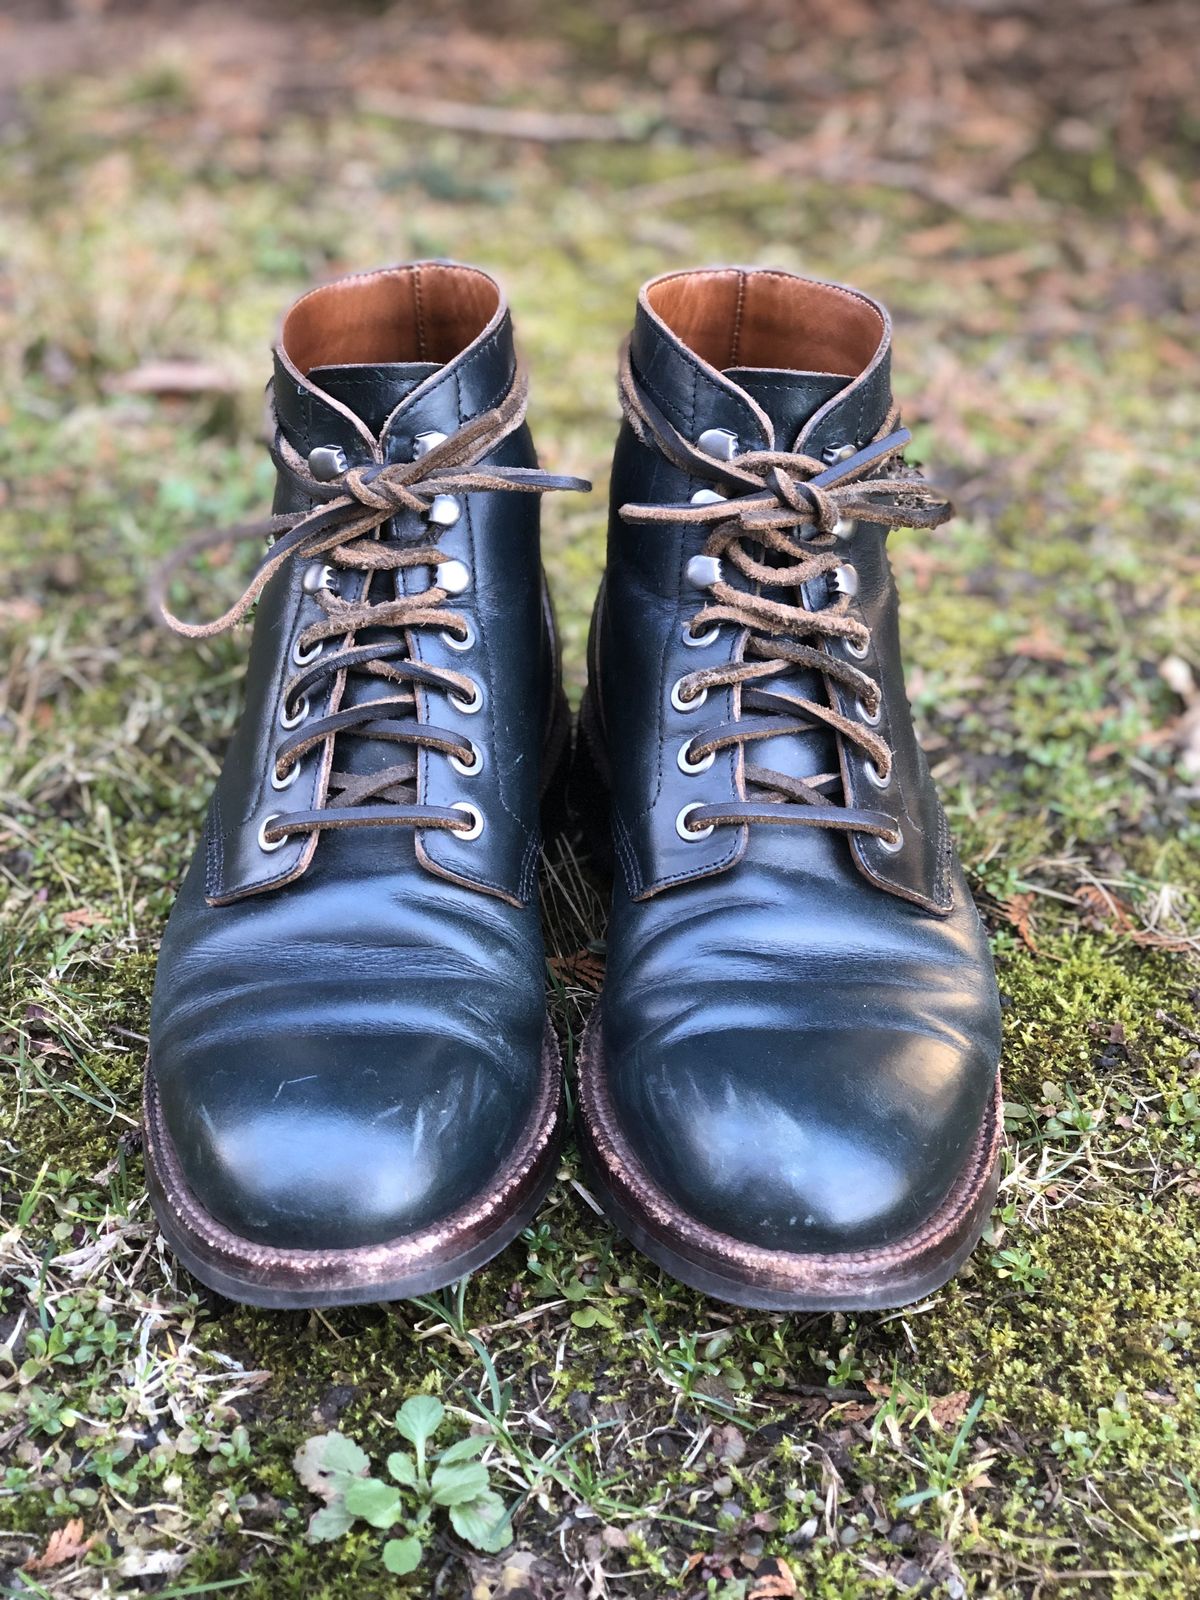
column 353, row 1091
column 789, row 1091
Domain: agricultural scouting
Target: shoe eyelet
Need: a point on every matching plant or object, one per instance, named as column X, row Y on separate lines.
column 270, row 845
column 876, row 777
column 844, row 580
column 721, row 443
column 843, row 528
column 295, row 717
column 891, row 846
column 697, row 641
column 475, row 765
column 452, row 576
column 476, row 828
column 692, row 767
column 691, row 835
column 452, row 640
column 293, row 773
column 302, row 657
column 468, row 707
column 860, row 652
column 871, row 718
column 320, row 575
column 681, row 704
column 444, row 511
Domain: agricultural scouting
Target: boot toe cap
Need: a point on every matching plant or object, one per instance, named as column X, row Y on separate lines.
column 842, row 1140
column 337, row 1144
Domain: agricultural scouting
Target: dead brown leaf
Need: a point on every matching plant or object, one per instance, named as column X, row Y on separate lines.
column 82, row 917
column 1105, row 909
column 582, row 967
column 950, row 1409
column 772, row 1580
column 1018, row 908
column 173, row 378
column 64, row 1544
column 1039, row 644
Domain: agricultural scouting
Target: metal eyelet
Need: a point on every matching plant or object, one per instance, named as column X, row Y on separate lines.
column 696, row 641
column 691, row 835
column 319, row 575
column 474, row 813
column 702, row 572
column 843, row 528
column 876, row 777
column 476, row 764
column 691, row 767
column 468, row 707
column 297, row 716
column 452, row 576
column 834, row 453
column 293, row 773
column 892, row 845
column 844, row 580
column 453, row 642
column 681, row 704
column 444, row 511
column 860, row 652
column 266, row 844
column 721, row 443
column 871, row 718
column 302, row 657
column 327, row 462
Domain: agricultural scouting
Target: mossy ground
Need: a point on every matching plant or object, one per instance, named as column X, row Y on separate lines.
column 1024, row 196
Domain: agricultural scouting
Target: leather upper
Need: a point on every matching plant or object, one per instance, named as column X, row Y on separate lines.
column 346, row 1030
column 800, row 1029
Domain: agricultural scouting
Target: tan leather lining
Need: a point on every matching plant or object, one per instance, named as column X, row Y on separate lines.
column 426, row 312
column 732, row 317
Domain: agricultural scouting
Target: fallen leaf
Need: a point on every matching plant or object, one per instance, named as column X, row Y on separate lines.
column 150, row 1564
column 1039, row 644
column 950, row 1409
column 1106, row 909
column 1018, row 908
column 64, row 1544
column 81, row 917
column 582, row 967
column 173, row 378
column 772, row 1580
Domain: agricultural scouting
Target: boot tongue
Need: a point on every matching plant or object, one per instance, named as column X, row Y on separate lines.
column 373, row 392
column 790, row 399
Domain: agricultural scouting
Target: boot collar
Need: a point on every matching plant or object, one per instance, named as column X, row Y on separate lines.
column 697, row 394
column 440, row 393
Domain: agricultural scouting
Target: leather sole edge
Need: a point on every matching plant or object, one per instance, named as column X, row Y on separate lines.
column 282, row 1279
column 778, row 1280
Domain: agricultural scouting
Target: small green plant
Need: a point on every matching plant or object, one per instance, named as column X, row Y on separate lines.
column 338, row 1472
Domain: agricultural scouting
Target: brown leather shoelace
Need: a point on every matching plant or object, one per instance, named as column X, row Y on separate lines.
column 774, row 522
column 343, row 531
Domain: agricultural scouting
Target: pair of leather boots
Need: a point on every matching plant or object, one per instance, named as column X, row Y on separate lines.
column 788, row 1092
